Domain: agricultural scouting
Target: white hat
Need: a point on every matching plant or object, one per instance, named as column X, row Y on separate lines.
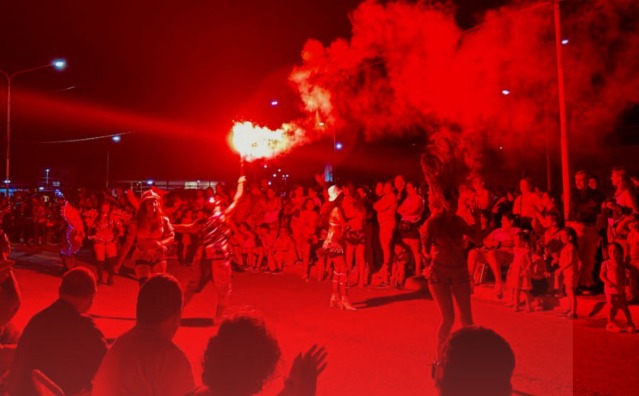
column 333, row 193
column 150, row 194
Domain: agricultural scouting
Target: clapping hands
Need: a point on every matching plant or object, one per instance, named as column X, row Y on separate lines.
column 302, row 379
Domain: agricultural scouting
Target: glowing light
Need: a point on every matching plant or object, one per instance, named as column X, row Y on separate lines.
column 40, row 188
column 7, row 181
column 149, row 182
column 274, row 174
column 116, row 138
column 47, row 170
column 565, row 41
column 265, row 166
column 338, row 146
column 274, row 102
column 501, row 147
column 256, row 142
column 505, row 92
column 279, row 170
column 59, row 64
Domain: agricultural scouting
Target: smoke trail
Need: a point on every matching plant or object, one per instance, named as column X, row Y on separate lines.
column 409, row 67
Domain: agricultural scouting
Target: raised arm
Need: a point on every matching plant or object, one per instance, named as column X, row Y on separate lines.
column 238, row 195
column 133, row 200
column 128, row 244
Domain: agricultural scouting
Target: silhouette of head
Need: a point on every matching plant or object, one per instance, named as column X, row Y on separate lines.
column 78, row 287
column 159, row 302
column 241, row 358
column 475, row 362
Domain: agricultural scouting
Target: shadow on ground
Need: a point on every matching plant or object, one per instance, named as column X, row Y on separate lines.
column 395, row 298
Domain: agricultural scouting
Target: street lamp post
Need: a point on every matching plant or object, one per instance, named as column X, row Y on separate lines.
column 565, row 160
column 58, row 64
column 46, row 171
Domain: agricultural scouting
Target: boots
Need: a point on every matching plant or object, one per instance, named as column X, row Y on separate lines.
column 110, row 266
column 345, row 304
column 101, row 272
column 335, row 298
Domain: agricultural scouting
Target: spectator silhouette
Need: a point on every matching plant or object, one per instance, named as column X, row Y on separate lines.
column 242, row 358
column 61, row 341
column 9, row 304
column 144, row 360
column 475, row 362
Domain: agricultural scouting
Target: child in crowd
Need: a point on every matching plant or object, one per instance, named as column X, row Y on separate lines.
column 539, row 279
column 265, row 241
column 632, row 259
column 284, row 251
column 569, row 269
column 309, row 222
column 398, row 267
column 519, row 278
column 613, row 275
column 248, row 246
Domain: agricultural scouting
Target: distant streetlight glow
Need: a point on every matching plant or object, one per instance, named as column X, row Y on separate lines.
column 505, row 92
column 565, row 41
column 149, row 182
column 339, row 146
column 274, row 102
column 59, row 64
column 116, row 138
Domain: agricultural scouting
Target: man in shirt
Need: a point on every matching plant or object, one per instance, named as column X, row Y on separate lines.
column 144, row 360
column 61, row 341
column 584, row 209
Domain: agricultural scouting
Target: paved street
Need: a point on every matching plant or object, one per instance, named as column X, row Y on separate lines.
column 385, row 347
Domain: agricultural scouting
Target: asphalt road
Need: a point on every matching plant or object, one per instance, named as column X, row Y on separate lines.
column 383, row 348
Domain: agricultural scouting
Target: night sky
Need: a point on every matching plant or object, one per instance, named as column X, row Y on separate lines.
column 176, row 73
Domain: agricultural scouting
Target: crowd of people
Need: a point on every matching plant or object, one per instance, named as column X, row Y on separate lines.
column 353, row 235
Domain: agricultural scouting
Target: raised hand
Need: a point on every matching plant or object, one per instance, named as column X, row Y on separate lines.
column 302, row 379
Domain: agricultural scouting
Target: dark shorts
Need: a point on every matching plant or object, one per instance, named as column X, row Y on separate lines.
column 408, row 230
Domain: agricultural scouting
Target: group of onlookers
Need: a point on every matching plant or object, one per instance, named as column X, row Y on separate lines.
column 61, row 350
column 519, row 239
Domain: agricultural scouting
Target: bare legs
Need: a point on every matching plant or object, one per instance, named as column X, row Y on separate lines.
column 339, row 296
column 444, row 293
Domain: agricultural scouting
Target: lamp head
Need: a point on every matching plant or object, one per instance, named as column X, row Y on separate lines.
column 59, row 64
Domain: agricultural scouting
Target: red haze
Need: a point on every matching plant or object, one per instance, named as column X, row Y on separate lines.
column 409, row 67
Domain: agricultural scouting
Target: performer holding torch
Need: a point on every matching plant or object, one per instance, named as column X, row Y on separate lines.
column 215, row 250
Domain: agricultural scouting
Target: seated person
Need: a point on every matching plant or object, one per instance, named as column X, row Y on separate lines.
column 61, row 341
column 144, row 360
column 497, row 251
column 466, row 370
column 283, row 251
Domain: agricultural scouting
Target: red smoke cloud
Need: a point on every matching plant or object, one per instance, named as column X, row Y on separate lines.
column 410, row 67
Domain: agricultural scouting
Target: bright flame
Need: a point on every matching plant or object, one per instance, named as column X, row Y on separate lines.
column 256, row 142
